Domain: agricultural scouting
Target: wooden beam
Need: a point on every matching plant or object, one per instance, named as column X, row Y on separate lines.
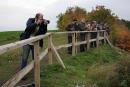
column 18, row 76
column 58, row 56
column 88, row 43
column 36, row 64
column 18, row 44
column 104, row 34
column 63, row 46
column 76, row 40
column 76, row 31
column 97, row 39
column 50, row 49
column 73, row 44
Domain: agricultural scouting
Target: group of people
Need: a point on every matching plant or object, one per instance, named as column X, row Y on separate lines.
column 84, row 25
column 38, row 26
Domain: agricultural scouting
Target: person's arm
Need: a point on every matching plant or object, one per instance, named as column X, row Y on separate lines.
column 31, row 24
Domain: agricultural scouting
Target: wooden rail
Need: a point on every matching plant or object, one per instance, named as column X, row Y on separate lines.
column 48, row 51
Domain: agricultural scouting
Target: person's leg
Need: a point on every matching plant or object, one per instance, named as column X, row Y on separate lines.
column 25, row 55
column 70, row 41
column 82, row 38
column 32, row 49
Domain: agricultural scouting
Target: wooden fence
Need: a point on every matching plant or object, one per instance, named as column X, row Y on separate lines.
column 51, row 49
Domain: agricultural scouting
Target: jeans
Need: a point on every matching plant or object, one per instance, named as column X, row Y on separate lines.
column 26, row 50
column 69, row 41
column 82, row 46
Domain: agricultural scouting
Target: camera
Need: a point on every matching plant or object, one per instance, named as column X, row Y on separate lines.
column 46, row 21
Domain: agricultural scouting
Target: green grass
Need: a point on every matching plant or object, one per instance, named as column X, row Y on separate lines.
column 8, row 37
column 78, row 69
column 10, row 61
column 102, row 66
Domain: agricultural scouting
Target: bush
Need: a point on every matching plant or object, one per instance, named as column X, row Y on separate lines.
column 104, row 75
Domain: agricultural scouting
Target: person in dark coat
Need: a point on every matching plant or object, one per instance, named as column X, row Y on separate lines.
column 71, row 27
column 82, row 35
column 34, row 26
column 93, row 34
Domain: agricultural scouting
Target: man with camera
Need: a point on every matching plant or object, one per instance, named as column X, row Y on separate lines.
column 34, row 26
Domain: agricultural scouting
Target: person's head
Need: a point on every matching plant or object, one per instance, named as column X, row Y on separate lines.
column 83, row 20
column 39, row 16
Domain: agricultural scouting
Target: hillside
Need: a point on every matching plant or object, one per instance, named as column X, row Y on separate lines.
column 103, row 66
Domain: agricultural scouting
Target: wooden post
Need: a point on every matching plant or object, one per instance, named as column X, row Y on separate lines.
column 88, row 43
column 36, row 64
column 104, row 37
column 76, row 40
column 58, row 56
column 73, row 44
column 97, row 41
column 50, row 49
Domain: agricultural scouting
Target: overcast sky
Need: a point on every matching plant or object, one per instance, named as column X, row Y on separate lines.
column 14, row 13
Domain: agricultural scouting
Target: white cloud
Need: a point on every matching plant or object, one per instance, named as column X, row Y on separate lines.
column 14, row 13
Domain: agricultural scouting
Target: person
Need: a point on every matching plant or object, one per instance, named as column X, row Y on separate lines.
column 34, row 26
column 82, row 35
column 73, row 26
column 93, row 34
column 88, row 26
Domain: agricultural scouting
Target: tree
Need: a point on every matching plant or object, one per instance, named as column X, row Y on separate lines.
column 71, row 13
column 102, row 14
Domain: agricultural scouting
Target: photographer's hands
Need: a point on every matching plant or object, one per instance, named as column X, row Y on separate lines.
column 38, row 21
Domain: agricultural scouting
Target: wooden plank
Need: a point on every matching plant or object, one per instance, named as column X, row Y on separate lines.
column 76, row 40
column 97, row 39
column 50, row 49
column 36, row 64
column 73, row 44
column 58, row 56
column 18, row 44
column 75, row 31
column 76, row 44
column 88, row 43
column 18, row 76
column 63, row 46
column 104, row 33
column 43, row 54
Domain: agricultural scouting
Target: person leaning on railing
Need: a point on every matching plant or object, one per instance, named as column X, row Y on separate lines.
column 34, row 26
column 82, row 35
column 93, row 34
column 71, row 27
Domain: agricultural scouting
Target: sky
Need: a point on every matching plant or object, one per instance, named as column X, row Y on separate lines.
column 15, row 13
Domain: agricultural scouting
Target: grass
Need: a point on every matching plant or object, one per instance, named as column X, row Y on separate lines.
column 102, row 66
column 87, row 68
column 10, row 61
column 8, row 37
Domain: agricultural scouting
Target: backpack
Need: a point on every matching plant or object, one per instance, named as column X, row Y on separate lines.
column 23, row 36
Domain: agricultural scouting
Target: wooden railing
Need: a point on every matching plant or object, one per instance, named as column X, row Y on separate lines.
column 51, row 49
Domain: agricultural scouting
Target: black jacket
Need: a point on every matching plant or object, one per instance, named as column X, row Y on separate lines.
column 30, row 28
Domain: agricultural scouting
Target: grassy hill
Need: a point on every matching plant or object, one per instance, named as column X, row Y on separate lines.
column 8, row 37
column 102, row 66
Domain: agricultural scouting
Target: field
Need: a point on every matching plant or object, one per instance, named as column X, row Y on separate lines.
column 102, row 66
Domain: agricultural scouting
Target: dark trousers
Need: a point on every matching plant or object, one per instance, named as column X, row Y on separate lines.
column 93, row 36
column 69, row 41
column 25, row 55
column 82, row 38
